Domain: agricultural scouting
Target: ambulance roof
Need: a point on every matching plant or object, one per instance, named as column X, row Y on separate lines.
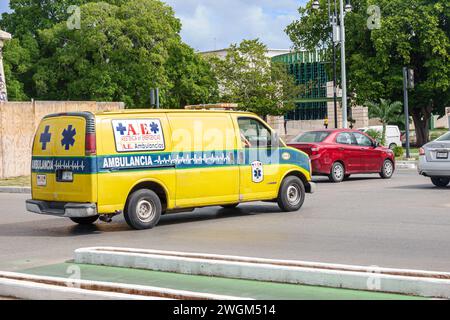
column 153, row 111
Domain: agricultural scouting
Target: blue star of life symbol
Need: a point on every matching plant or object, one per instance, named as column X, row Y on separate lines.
column 154, row 128
column 68, row 135
column 120, row 128
column 258, row 173
column 46, row 136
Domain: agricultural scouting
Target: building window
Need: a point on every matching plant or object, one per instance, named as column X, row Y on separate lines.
column 309, row 111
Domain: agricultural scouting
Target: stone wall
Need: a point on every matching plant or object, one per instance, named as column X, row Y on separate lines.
column 18, row 124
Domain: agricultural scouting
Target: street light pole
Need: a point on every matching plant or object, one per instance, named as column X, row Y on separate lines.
column 334, row 62
column 333, row 21
column 343, row 66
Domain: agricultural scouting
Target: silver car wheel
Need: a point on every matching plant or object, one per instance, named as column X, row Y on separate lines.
column 338, row 171
column 388, row 168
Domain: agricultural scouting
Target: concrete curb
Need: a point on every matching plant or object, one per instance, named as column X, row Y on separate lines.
column 412, row 165
column 24, row 286
column 38, row 291
column 409, row 282
column 23, row 190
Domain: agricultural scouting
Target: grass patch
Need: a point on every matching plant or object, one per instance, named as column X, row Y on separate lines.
column 16, row 182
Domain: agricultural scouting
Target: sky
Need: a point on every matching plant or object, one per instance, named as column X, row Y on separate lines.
column 215, row 24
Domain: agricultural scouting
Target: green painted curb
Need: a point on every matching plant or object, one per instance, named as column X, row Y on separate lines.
column 233, row 287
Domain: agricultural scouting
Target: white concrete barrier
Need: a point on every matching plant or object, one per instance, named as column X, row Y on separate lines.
column 31, row 287
column 410, row 282
column 37, row 291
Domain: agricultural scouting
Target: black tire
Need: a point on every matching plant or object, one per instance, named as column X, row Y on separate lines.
column 337, row 173
column 392, row 146
column 292, row 194
column 143, row 210
column 440, row 182
column 387, row 171
column 230, row 206
column 85, row 221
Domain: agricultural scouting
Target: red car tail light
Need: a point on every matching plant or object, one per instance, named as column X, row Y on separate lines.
column 421, row 151
column 315, row 150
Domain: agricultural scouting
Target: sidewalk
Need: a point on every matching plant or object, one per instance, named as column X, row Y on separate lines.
column 15, row 189
column 406, row 164
column 15, row 185
column 241, row 288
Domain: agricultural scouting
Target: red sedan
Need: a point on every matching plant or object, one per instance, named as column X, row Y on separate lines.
column 341, row 153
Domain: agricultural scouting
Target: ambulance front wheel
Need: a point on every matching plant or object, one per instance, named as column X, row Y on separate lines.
column 143, row 210
column 292, row 194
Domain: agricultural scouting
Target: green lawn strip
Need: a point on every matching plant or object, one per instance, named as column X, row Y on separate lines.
column 232, row 287
column 16, row 182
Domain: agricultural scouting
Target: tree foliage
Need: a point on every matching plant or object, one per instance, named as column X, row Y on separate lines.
column 247, row 76
column 122, row 50
column 413, row 33
column 387, row 112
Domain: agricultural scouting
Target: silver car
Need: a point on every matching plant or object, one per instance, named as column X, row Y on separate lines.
column 434, row 161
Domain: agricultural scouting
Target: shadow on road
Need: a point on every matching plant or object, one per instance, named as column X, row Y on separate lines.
column 421, row 187
column 324, row 180
column 200, row 215
column 55, row 228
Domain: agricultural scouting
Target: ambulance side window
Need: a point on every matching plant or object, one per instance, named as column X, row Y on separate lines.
column 254, row 134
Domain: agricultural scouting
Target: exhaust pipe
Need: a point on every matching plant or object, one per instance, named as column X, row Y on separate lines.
column 107, row 218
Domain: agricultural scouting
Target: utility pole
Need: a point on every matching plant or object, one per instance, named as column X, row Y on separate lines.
column 154, row 98
column 408, row 83
column 343, row 67
column 334, row 29
column 335, row 39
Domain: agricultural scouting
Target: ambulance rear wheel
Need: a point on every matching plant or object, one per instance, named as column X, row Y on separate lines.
column 85, row 221
column 292, row 194
column 143, row 210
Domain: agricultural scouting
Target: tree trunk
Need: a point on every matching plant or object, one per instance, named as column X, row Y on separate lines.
column 421, row 118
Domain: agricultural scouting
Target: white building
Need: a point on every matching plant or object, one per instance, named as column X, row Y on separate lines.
column 222, row 53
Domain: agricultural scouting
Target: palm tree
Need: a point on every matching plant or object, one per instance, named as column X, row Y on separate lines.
column 387, row 111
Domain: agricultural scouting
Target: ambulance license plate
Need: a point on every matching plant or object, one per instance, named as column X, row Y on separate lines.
column 67, row 176
column 41, row 180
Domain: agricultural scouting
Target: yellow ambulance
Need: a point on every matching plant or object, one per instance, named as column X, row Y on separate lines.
column 145, row 164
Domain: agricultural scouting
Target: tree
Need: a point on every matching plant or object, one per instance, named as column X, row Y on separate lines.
column 413, row 33
column 21, row 55
column 247, row 76
column 387, row 112
column 121, row 50
column 192, row 80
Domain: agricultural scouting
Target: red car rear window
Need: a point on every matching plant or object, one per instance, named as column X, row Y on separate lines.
column 313, row 136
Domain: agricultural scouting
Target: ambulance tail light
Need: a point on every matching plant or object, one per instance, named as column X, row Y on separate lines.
column 91, row 144
column 91, row 138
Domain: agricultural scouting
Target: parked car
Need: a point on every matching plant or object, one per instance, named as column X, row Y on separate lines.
column 341, row 153
column 434, row 161
column 393, row 135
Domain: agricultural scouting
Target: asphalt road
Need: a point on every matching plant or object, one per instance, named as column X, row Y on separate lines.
column 403, row 222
